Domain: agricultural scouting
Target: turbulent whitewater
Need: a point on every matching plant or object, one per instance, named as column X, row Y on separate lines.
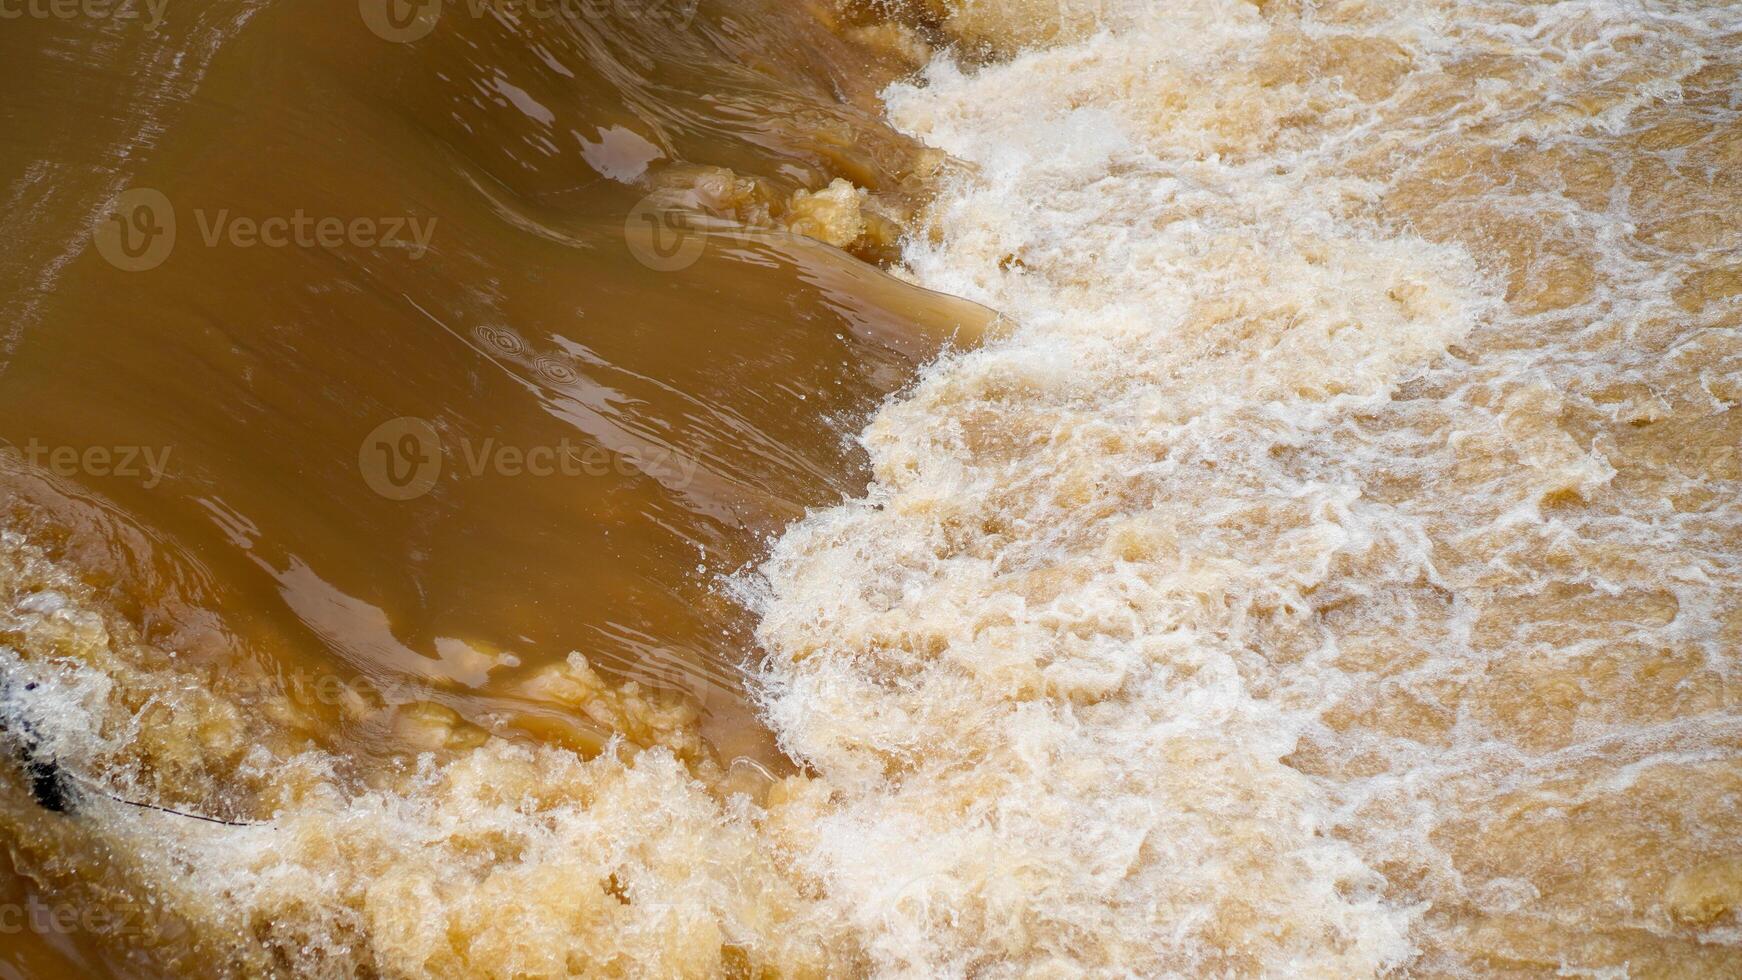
column 1330, row 567
column 1335, row 568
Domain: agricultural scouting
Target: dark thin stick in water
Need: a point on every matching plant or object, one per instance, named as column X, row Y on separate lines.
column 179, row 813
column 48, row 779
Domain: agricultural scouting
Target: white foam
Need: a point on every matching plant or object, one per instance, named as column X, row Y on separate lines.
column 1078, row 668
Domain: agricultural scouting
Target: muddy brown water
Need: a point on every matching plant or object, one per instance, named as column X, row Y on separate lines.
column 365, row 362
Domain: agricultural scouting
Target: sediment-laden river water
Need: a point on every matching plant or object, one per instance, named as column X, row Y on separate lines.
column 958, row 488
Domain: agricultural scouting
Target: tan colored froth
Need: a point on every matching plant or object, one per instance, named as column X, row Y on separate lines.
column 1334, row 570
column 465, row 856
column 1363, row 451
